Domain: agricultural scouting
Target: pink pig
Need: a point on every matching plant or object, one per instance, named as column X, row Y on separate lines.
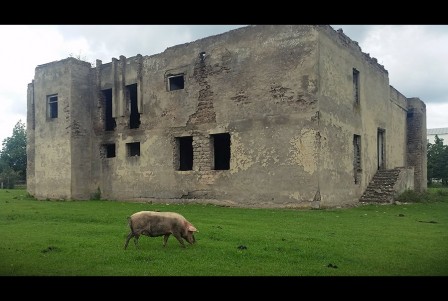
column 152, row 224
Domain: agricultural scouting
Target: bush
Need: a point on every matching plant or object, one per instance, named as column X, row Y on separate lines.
column 430, row 195
column 411, row 196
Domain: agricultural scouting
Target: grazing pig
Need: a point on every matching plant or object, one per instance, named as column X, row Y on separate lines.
column 152, row 224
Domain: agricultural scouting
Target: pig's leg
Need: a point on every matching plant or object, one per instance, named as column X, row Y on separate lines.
column 136, row 236
column 179, row 238
column 127, row 239
column 165, row 238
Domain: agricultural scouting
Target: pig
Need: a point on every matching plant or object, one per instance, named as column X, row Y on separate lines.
column 152, row 224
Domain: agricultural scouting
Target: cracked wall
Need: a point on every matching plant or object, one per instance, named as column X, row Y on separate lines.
column 282, row 93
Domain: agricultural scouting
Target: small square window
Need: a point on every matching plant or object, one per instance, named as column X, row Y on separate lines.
column 175, row 82
column 52, row 106
column 133, row 149
column 109, row 150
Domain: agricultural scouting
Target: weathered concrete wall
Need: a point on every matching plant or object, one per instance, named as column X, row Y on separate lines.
column 52, row 139
column 405, row 180
column 341, row 118
column 416, row 135
column 284, row 94
column 80, row 128
column 260, row 90
column 396, row 140
column 56, row 166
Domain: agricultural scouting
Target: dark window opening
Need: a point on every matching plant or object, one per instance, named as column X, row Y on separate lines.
column 176, row 82
column 356, row 85
column 109, row 121
column 185, row 152
column 52, row 106
column 357, row 158
column 133, row 149
column 134, row 119
column 109, row 150
column 381, row 141
column 221, row 148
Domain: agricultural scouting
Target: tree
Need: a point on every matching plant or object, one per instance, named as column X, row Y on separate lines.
column 438, row 161
column 13, row 156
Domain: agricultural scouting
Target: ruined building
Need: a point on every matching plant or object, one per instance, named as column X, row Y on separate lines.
column 260, row 116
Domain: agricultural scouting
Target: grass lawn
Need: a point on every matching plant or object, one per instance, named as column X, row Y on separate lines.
column 86, row 238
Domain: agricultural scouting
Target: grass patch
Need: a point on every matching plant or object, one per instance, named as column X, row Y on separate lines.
column 438, row 194
column 86, row 238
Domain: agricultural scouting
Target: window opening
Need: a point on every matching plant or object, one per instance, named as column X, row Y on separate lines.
column 133, row 149
column 109, row 121
column 176, row 82
column 357, row 158
column 134, row 118
column 52, row 101
column 221, row 151
column 185, row 145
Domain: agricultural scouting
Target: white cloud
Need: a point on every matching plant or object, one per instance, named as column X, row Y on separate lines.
column 437, row 115
column 415, row 56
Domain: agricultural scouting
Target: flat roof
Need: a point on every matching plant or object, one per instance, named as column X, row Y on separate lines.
column 437, row 131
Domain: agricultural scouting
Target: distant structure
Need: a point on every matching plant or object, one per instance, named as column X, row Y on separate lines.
column 442, row 133
column 285, row 116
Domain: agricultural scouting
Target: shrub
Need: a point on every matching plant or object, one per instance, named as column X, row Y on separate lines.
column 412, row 196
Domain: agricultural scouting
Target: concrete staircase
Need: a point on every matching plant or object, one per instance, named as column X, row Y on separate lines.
column 381, row 188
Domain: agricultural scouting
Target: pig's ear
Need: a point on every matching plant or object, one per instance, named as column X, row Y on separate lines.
column 192, row 228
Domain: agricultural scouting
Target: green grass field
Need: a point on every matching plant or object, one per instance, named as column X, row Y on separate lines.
column 86, row 238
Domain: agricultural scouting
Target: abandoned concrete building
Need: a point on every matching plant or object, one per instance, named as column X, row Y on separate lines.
column 280, row 116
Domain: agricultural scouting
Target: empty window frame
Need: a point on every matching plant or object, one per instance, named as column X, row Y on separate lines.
column 133, row 149
column 357, row 158
column 109, row 150
column 221, row 151
column 109, row 121
column 176, row 82
column 52, row 106
column 185, row 152
column 134, row 118
column 356, row 85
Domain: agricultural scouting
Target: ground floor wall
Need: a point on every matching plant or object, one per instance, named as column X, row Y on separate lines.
column 270, row 165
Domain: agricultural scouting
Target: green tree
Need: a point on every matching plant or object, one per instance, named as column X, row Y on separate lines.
column 13, row 156
column 437, row 161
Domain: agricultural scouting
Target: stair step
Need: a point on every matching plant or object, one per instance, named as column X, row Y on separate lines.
column 381, row 187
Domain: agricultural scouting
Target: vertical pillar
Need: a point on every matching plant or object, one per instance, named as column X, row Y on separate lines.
column 416, row 142
column 140, row 83
column 30, row 137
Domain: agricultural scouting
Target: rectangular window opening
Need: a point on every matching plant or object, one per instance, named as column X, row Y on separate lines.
column 134, row 118
column 357, row 158
column 185, row 145
column 109, row 121
column 133, row 149
column 176, row 82
column 381, row 141
column 109, row 150
column 356, row 85
column 52, row 106
column 221, row 151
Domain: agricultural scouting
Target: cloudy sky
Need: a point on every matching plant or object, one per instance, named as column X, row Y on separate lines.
column 416, row 56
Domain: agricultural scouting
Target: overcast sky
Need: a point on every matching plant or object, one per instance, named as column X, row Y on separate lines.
column 416, row 56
